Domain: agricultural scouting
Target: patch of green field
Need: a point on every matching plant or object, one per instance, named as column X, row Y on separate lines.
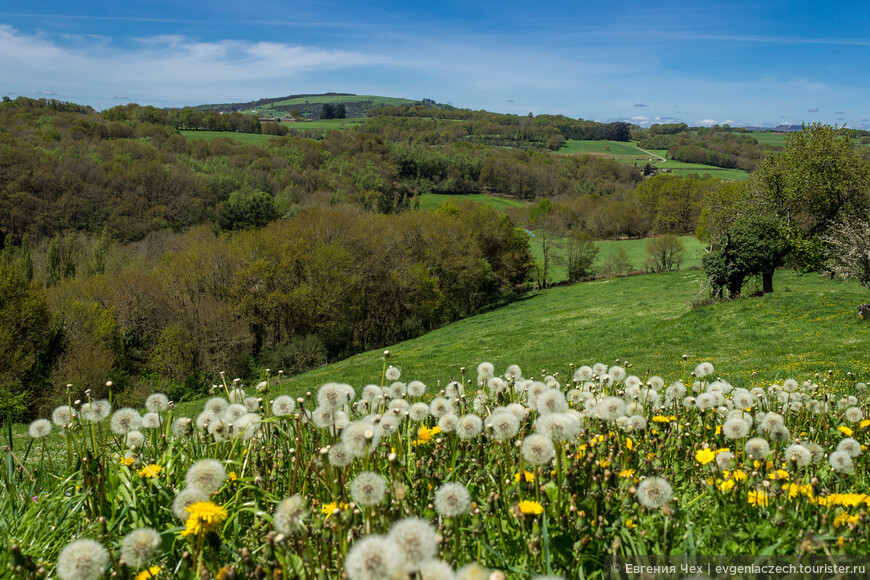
column 769, row 138
column 431, row 201
column 325, row 125
column 634, row 249
column 807, row 325
column 601, row 147
column 247, row 138
column 680, row 168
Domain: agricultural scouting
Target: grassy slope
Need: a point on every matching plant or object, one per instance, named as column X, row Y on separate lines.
column 635, row 249
column 807, row 325
column 431, row 201
column 247, row 138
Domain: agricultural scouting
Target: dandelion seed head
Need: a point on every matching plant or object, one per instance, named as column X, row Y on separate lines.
column 323, row 417
column 469, row 427
column 448, row 422
column 125, row 420
column 216, row 405
column 610, row 408
column 704, row 369
column 393, row 374
column 436, row 570
column 817, row 450
column 850, row 446
column 140, row 546
column 219, row 430
column 725, row 460
column 252, row 404
column 452, row 500
column 558, row 426
column 416, row 389
column 332, row 396
column 496, row 385
column 854, row 415
column 150, row 421
column 617, row 373
column 207, row 475
column 841, row 462
column 551, row 401
column 373, row 557
column 157, row 403
column 182, row 426
column 134, row 440
column 638, row 422
column 440, row 407
column 283, row 405
column 418, row 412
column 370, row 393
column 583, row 374
column 39, row 429
column 473, row 571
column 504, row 425
column 232, row 413
column 417, row 539
column 757, row 448
column 735, row 428
column 400, row 405
column 654, row 492
column 204, row 419
column 247, row 426
column 538, row 449
column 779, row 434
column 454, row 389
column 83, row 559
column 513, row 372
column 289, row 514
column 368, row 488
column 800, row 455
column 339, row 456
column 354, row 438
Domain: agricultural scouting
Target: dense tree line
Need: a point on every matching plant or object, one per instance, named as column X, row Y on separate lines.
column 710, row 146
column 175, row 309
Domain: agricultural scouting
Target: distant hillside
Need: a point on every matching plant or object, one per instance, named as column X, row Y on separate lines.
column 311, row 104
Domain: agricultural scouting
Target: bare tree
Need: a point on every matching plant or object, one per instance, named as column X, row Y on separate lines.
column 849, row 251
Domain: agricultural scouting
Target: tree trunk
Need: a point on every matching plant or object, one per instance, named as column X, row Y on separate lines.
column 767, row 281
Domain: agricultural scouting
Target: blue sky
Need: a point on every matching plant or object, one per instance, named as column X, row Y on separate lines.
column 699, row 62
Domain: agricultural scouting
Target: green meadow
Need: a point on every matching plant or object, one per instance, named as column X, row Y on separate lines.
column 602, row 147
column 431, row 201
column 246, row 138
column 808, row 325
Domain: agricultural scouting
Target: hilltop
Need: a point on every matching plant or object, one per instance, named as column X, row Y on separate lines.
column 311, row 104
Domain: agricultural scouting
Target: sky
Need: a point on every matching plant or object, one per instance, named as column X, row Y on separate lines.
column 761, row 63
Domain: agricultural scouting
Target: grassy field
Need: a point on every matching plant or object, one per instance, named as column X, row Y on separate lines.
column 768, row 138
column 605, row 148
column 635, row 249
column 680, row 168
column 247, row 138
column 431, row 201
column 807, row 325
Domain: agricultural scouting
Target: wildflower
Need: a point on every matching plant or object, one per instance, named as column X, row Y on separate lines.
column 469, row 427
column 735, row 428
column 289, row 514
column 527, row 507
column 392, row 373
column 724, row 459
column 629, row 444
column 757, row 498
column 185, row 498
column 373, row 557
column 134, row 439
column 283, row 406
column 845, row 519
column 664, row 419
column 705, row 456
column 528, row 476
column 844, row 430
column 436, row 570
column 864, row 423
column 83, row 559
column 181, row 426
column 205, row 516
column 328, row 509
column 626, row 473
column 360, row 438
column 147, row 574
column 207, row 475
column 704, row 369
column 125, row 420
column 727, row 485
column 841, row 462
column 452, row 500
column 448, row 422
column 800, row 455
column 629, row 523
column 40, row 428
column 551, row 401
column 473, row 571
column 339, row 456
column 654, row 492
column 157, row 403
column 96, row 411
column 140, row 546
column 62, row 416
column 368, row 488
column 850, row 446
column 417, row 539
column 332, row 396
column 149, row 471
column 151, row 421
column 216, row 405
column 538, row 449
column 127, row 461
column 757, row 448
column 504, row 425
column 611, row 408
column 616, row 373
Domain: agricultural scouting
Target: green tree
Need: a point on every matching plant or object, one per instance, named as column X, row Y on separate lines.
column 821, row 176
column 580, row 254
column 243, row 211
column 664, row 253
column 753, row 246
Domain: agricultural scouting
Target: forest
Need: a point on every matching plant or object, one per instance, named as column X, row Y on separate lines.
column 134, row 253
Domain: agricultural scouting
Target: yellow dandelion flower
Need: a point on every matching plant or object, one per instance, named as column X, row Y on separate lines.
column 705, row 456
column 328, row 509
column 127, row 461
column 738, row 475
column 205, row 516
column 727, row 485
column 864, row 423
column 630, row 524
column 626, row 473
column 718, row 429
column 232, row 475
column 530, row 508
column 425, row 435
column 151, row 572
column 528, row 476
column 604, row 463
column 778, row 474
column 757, row 498
column 841, row 541
column 150, row 471
column 661, row 419
column 844, row 430
column 845, row 519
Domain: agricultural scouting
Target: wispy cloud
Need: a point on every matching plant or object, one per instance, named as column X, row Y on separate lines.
column 813, row 110
column 641, row 105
